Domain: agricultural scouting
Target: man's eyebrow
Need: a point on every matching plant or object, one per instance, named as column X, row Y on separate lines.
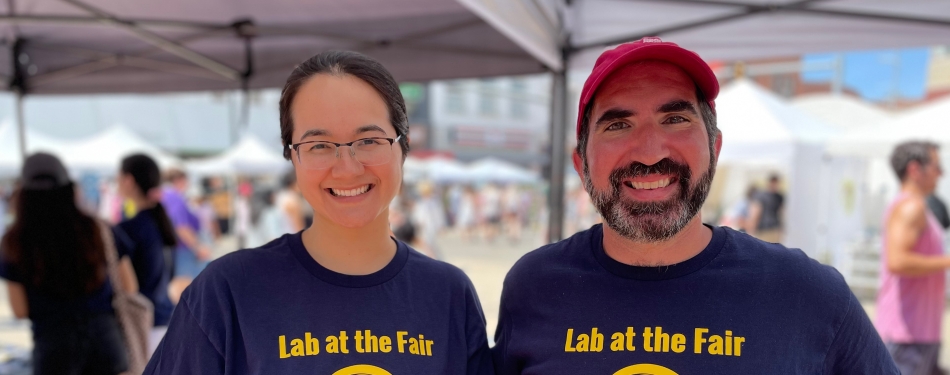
column 369, row 128
column 614, row 114
column 314, row 133
column 677, row 106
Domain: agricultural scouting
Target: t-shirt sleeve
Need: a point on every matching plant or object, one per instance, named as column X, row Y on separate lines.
column 185, row 349
column 857, row 348
column 504, row 363
column 8, row 270
column 123, row 243
column 479, row 356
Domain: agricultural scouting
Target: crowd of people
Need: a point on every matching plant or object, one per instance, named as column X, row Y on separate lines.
column 477, row 212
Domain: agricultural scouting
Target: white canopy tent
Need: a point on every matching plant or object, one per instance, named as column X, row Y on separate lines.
column 103, row 152
column 846, row 112
column 499, row 171
column 570, row 34
column 10, row 157
column 248, row 157
column 763, row 133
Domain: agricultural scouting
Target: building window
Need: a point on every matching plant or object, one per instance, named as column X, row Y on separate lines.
column 487, row 98
column 519, row 98
column 455, row 98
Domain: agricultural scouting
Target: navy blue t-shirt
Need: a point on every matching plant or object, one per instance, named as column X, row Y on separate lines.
column 274, row 310
column 47, row 310
column 148, row 255
column 741, row 306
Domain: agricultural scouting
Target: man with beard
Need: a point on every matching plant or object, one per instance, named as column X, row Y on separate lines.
column 654, row 290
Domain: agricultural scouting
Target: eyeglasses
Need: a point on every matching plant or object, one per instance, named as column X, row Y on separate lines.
column 323, row 154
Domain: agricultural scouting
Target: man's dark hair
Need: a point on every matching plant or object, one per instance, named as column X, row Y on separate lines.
column 705, row 111
column 908, row 152
column 773, row 178
column 342, row 63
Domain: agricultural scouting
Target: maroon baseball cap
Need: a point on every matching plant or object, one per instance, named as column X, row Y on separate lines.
column 649, row 48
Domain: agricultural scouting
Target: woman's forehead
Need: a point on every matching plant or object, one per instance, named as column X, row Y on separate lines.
column 338, row 105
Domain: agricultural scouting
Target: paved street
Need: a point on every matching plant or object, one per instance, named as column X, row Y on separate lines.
column 485, row 263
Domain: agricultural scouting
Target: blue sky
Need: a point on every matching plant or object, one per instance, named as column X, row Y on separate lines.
column 877, row 75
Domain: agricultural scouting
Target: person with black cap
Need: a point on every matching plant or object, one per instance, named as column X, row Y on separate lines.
column 654, row 290
column 54, row 260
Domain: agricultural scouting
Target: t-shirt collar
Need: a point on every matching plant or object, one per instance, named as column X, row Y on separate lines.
column 349, row 281
column 656, row 273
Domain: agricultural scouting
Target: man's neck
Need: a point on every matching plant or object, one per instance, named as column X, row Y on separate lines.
column 914, row 189
column 686, row 244
column 350, row 251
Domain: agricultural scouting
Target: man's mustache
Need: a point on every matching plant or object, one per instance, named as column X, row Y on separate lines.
column 637, row 169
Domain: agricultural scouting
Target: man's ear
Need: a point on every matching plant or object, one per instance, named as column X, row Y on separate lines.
column 718, row 146
column 578, row 166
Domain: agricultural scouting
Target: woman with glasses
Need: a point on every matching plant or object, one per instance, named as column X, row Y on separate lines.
column 341, row 297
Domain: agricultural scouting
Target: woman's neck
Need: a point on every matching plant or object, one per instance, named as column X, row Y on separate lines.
column 350, row 251
column 142, row 203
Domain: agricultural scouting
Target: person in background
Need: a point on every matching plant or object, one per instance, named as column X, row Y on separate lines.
column 428, row 218
column 3, row 209
column 738, row 216
column 512, row 211
column 191, row 254
column 290, row 205
column 910, row 301
column 490, row 206
column 152, row 237
column 54, row 260
column 222, row 203
column 765, row 213
column 342, row 296
column 939, row 210
column 466, row 221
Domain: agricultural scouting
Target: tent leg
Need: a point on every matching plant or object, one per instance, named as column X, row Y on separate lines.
column 558, row 156
column 21, row 126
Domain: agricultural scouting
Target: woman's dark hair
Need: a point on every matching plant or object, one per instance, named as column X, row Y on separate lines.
column 343, row 63
column 56, row 248
column 147, row 176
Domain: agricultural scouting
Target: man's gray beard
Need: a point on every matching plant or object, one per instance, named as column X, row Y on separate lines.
column 650, row 222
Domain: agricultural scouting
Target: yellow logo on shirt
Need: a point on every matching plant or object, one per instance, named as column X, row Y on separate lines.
column 644, row 369
column 363, row 370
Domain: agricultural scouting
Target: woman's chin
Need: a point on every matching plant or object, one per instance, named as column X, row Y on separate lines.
column 352, row 220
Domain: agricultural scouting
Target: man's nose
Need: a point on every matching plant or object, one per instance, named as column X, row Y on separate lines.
column 648, row 145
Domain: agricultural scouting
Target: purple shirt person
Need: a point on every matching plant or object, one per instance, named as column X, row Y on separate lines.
column 191, row 255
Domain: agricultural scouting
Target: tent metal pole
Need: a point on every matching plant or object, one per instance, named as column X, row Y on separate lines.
column 19, row 59
column 21, row 125
column 558, row 154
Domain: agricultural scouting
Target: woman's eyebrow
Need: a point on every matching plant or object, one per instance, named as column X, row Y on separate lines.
column 369, row 128
column 314, row 133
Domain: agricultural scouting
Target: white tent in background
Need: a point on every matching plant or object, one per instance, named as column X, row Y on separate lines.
column 444, row 170
column 10, row 157
column 761, row 128
column 413, row 169
column 104, row 151
column 764, row 133
column 248, row 157
column 843, row 111
column 500, row 171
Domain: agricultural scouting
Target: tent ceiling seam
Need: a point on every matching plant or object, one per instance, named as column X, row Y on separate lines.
column 159, row 41
column 803, row 6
